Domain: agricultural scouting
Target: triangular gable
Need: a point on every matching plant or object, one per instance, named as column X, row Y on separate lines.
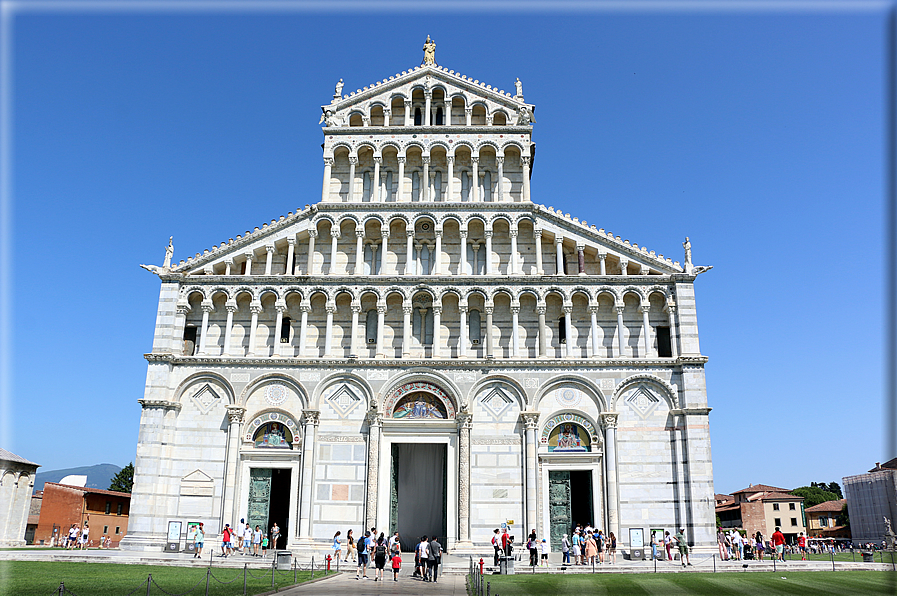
column 197, row 476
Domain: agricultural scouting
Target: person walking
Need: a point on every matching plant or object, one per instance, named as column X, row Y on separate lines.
column 264, row 546
column 565, row 548
column 802, row 545
column 350, row 547
column 533, row 548
column 590, row 550
column 85, row 539
column 396, row 566
column 758, row 539
column 577, row 548
column 496, row 544
column 225, row 540
column 434, row 558
column 275, row 535
column 423, row 555
column 611, row 548
column 198, row 541
column 778, row 541
column 362, row 569
column 395, row 543
column 683, row 547
column 721, row 544
column 256, row 540
column 600, row 543
column 380, row 555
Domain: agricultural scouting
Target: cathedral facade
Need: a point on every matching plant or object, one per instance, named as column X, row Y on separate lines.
column 425, row 349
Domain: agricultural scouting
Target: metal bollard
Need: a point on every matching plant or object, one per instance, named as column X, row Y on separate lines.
column 61, row 588
column 149, row 584
column 833, row 561
column 488, row 588
column 244, row 578
column 273, row 566
column 208, row 576
column 714, row 564
column 313, row 568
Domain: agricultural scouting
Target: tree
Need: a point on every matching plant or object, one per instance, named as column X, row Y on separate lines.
column 832, row 487
column 124, row 480
column 814, row 495
column 843, row 518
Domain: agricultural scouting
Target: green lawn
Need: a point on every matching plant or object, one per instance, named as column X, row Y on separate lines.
column 25, row 578
column 840, row 583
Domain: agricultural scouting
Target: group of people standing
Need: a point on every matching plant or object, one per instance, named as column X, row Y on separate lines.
column 380, row 550
column 241, row 540
column 588, row 546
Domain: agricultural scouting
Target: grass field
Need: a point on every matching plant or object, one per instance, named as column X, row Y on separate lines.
column 25, row 578
column 840, row 583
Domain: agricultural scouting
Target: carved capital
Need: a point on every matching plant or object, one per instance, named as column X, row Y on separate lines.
column 525, row 160
column 609, row 419
column 401, row 159
column 359, row 233
column 235, row 414
column 255, row 307
column 530, row 419
column 378, row 159
column 280, row 305
column 464, row 420
column 407, row 103
column 593, row 308
column 407, row 310
column 463, row 234
column 291, row 240
column 305, row 307
column 602, row 255
column 450, row 159
column 645, row 308
column 313, row 233
column 468, row 110
column 312, row 417
column 353, row 160
column 409, row 233
column 475, row 159
column 515, row 309
column 231, row 305
column 373, row 417
column 384, row 233
column 425, row 159
column 513, row 233
column 330, row 308
column 568, row 309
column 540, row 309
column 207, row 306
column 328, row 161
column 500, row 159
column 619, row 309
column 488, row 233
column 335, row 233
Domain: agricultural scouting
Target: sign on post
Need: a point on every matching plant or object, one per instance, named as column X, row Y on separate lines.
column 637, row 544
column 173, row 539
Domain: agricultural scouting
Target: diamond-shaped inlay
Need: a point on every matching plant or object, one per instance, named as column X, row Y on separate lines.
column 343, row 400
column 496, row 402
column 643, row 401
column 206, row 398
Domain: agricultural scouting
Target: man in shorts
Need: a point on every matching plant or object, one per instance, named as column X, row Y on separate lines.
column 778, row 541
column 363, row 546
column 683, row 547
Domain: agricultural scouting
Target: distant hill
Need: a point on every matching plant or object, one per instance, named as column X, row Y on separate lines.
column 98, row 476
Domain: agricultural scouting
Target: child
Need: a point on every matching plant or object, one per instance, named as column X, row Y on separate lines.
column 545, row 551
column 264, row 546
column 396, row 565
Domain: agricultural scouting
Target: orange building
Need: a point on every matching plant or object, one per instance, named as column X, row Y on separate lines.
column 105, row 512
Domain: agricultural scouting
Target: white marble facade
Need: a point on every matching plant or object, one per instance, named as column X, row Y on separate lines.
column 425, row 269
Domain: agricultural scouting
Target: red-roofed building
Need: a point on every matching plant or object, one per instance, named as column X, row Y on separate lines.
column 761, row 507
column 105, row 512
column 822, row 520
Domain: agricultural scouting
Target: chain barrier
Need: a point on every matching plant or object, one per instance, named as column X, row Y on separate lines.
column 254, row 576
column 142, row 584
column 161, row 589
column 225, row 583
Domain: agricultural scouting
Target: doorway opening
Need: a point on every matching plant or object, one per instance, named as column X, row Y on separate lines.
column 569, row 503
column 269, row 501
column 417, row 505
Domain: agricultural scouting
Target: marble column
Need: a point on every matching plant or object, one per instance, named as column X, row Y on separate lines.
column 624, row 265
column 464, row 333
column 621, row 345
column 180, row 322
column 352, row 162
column 537, row 234
column 376, row 182
column 559, row 247
column 463, row 418
column 513, row 269
column 425, row 181
column 400, row 183
column 515, row 330
column 291, row 255
column 674, row 336
column 234, row 430
column 610, row 449
column 418, row 268
column 596, row 346
column 406, row 331
column 568, row 328
column 269, row 259
column 207, row 308
column 602, row 257
column 381, row 322
column 488, row 255
column 489, row 352
column 531, row 422
column 328, row 337
column 450, row 182
column 428, row 99
column 231, row 306
column 309, row 446
column 468, row 112
column 280, row 306
column 325, row 187
column 476, row 258
column 248, row 264
column 409, row 252
column 475, row 180
column 228, row 266
column 374, row 249
column 305, row 308
column 408, row 121
column 374, row 425
column 255, row 307
column 359, row 253
column 463, row 265
column 646, row 328
column 384, row 236
column 543, row 343
column 356, row 309
column 334, row 238
column 423, row 328
column 436, row 269
column 525, row 161
column 437, row 328
column 312, row 234
column 501, row 177
column 581, row 258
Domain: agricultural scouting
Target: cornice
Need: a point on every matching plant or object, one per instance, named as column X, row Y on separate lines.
column 159, row 403
column 431, row 281
column 407, row 131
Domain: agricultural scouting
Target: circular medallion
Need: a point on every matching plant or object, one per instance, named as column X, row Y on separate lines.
column 275, row 394
column 568, row 398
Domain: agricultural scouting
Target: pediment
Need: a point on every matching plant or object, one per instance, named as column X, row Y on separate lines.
column 197, row 476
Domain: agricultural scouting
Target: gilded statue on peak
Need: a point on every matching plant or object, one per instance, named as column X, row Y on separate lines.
column 429, row 52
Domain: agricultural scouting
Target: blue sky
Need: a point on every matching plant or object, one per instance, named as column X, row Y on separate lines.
column 758, row 134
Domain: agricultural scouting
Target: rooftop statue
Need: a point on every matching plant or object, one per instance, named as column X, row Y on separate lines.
column 429, row 52
column 169, row 252
column 687, row 246
column 525, row 116
column 328, row 118
column 519, row 86
column 338, row 90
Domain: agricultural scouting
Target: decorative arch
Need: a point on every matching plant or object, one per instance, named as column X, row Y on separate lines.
column 419, row 400
column 331, row 387
column 273, row 429
column 210, row 377
column 491, row 144
column 586, row 385
column 459, row 144
column 425, row 380
column 665, row 389
column 632, row 290
column 271, row 377
column 511, row 385
column 560, row 434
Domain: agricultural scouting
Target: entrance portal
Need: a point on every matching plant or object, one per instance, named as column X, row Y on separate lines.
column 569, row 503
column 418, row 492
column 269, row 501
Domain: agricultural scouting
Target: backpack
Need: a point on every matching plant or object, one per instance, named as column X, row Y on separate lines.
column 380, row 551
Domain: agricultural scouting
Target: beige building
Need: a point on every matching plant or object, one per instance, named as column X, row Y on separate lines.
column 822, row 520
column 763, row 507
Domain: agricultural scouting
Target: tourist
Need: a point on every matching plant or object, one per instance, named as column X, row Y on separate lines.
column 362, row 570
column 778, row 541
column 496, row 544
column 599, row 543
column 590, row 549
column 74, row 533
column 225, row 540
column 434, row 558
column 423, row 556
column 337, row 545
column 275, row 534
column 350, row 547
column 533, row 548
column 396, row 566
column 198, row 541
column 758, row 538
column 85, row 531
column 264, row 546
column 683, row 547
column 504, row 542
column 380, row 552
column 668, row 544
column 237, row 536
column 802, row 545
column 395, row 543
column 577, row 543
column 545, row 550
column 721, row 544
column 247, row 540
column 653, row 547
column 565, row 548
column 611, row 548
column 256, row 540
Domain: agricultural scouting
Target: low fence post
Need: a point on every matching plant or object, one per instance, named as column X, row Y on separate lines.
column 208, row 576
column 273, row 567
column 488, row 588
column 61, row 588
column 149, row 584
column 714, row 565
column 244, row 578
column 313, row 567
column 833, row 561
column 294, row 570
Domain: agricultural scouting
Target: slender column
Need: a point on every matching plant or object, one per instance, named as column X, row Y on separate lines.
column 352, row 162
column 248, row 264
column 309, row 446
column 437, row 260
column 674, row 335
column 387, row 116
column 475, row 180
column 437, row 326
column 325, row 187
column 425, row 183
column 530, row 420
column 234, row 430
column 409, row 252
column 384, row 236
column 463, row 265
column 543, row 347
column 525, row 161
column 593, row 310
column 291, row 255
column 559, row 246
column 359, row 253
column 581, row 258
column 231, row 306
column 463, row 418
column 269, row 259
column 374, row 249
column 374, row 425
column 428, row 97
column 400, row 184
column 463, row 335
column 537, row 234
column 207, row 307
column 279, row 306
column 476, row 258
column 489, row 352
column 228, row 266
column 568, row 326
column 328, row 338
column 376, row 181
column 624, row 265
column 256, row 308
column 620, row 341
column 602, row 257
column 305, row 308
column 418, row 266
column 646, row 327
column 408, row 121
column 514, row 269
column 356, row 309
column 423, row 326
column 447, row 113
column 515, row 329
column 501, row 183
column 381, row 322
column 450, row 183
column 180, row 322
column 467, row 114
column 406, row 332
column 312, row 234
column 334, row 237
column 610, row 448
column 488, row 255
